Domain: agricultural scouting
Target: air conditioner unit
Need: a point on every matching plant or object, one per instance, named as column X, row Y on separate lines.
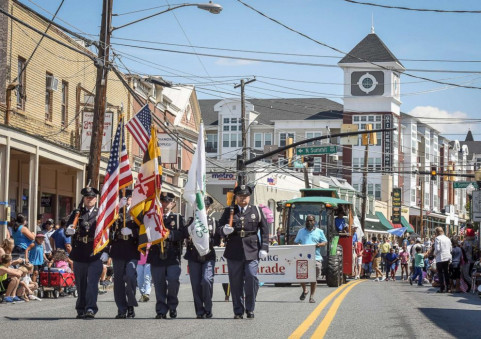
column 52, row 83
column 334, row 157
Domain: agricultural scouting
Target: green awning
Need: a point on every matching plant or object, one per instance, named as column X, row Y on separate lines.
column 406, row 224
column 387, row 225
column 373, row 224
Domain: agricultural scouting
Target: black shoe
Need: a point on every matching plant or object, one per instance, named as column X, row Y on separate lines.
column 238, row 316
column 303, row 296
column 89, row 314
column 208, row 315
column 80, row 316
column 250, row 315
column 121, row 316
column 130, row 312
column 160, row 316
column 173, row 314
column 201, row 316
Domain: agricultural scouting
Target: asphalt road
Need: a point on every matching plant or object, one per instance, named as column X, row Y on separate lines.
column 356, row 310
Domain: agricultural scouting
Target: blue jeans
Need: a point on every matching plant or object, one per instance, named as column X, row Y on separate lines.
column 144, row 278
column 418, row 272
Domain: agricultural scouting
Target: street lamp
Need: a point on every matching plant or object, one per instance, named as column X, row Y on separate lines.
column 469, row 191
column 210, row 7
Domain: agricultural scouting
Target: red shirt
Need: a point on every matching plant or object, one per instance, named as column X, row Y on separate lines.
column 358, row 248
column 367, row 256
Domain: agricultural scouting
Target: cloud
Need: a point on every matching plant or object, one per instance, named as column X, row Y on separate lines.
column 443, row 121
column 234, row 62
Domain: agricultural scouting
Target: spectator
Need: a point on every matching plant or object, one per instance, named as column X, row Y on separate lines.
column 391, row 259
column 418, row 267
column 48, row 230
column 358, row 249
column 26, row 287
column 385, row 247
column 442, row 251
column 9, row 279
column 367, row 260
column 7, row 248
column 427, row 243
column 144, row 277
column 59, row 240
column 21, row 236
column 404, row 257
column 405, row 241
column 412, row 252
column 455, row 267
column 306, row 236
column 61, row 261
column 376, row 260
column 34, row 255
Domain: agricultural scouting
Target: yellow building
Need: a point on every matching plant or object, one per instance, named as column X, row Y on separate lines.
column 42, row 164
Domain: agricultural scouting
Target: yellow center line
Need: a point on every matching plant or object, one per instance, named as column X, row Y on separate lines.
column 299, row 332
column 326, row 322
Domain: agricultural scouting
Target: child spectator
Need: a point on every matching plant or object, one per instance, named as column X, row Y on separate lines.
column 26, row 287
column 418, row 267
column 367, row 260
column 61, row 261
column 358, row 249
column 391, row 259
column 9, row 279
column 404, row 256
column 34, row 254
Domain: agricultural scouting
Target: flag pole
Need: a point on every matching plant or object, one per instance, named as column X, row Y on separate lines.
column 120, row 160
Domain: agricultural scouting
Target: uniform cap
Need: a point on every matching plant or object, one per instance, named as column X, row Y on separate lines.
column 89, row 191
column 208, row 201
column 243, row 190
column 128, row 192
column 167, row 196
column 49, row 221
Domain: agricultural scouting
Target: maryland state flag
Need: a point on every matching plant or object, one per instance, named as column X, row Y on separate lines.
column 146, row 209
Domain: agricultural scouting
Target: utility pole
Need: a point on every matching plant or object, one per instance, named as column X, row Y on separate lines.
column 364, row 184
column 241, row 177
column 93, row 167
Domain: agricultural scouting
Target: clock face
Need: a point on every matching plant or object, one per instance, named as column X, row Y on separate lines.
column 367, row 83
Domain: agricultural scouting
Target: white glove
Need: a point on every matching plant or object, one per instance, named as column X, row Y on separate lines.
column 126, row 231
column 228, row 229
column 262, row 254
column 123, row 202
column 104, row 257
column 70, row 230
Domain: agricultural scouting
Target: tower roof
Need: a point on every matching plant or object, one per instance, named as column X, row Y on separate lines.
column 370, row 49
column 469, row 136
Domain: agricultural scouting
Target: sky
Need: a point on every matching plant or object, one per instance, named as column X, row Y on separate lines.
column 412, row 36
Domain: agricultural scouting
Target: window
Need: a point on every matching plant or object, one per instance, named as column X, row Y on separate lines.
column 234, row 120
column 356, row 187
column 313, row 135
column 370, row 118
column 370, row 164
column 21, row 83
column 377, row 191
column 225, row 140
column 378, row 163
column 267, row 139
column 234, row 107
column 239, row 140
column 356, row 119
column 226, row 127
column 48, row 97
column 370, row 189
column 64, row 103
column 211, row 145
column 258, row 140
column 413, row 196
column 283, row 138
column 226, row 120
column 233, row 128
column 363, row 118
column 233, row 140
column 317, row 165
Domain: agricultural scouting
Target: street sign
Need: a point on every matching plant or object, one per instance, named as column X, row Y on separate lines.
column 316, row 150
column 464, row 184
column 476, row 208
column 352, row 139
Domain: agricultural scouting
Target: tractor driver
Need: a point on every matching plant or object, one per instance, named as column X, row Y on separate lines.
column 340, row 221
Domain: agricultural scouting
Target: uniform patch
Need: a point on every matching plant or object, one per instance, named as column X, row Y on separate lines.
column 253, row 216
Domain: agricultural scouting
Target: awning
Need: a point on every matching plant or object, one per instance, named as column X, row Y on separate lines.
column 373, row 224
column 387, row 225
column 406, row 224
column 395, row 225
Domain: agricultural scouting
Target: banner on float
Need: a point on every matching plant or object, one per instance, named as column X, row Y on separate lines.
column 284, row 264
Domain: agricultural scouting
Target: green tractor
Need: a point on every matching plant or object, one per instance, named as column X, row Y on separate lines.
column 324, row 205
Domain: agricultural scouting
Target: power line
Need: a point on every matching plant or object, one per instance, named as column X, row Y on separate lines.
column 415, row 9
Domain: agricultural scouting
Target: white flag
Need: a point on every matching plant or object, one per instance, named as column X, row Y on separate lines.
column 194, row 193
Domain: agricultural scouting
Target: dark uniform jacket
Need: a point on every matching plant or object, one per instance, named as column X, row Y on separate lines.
column 172, row 246
column 124, row 247
column 83, row 239
column 243, row 243
column 191, row 252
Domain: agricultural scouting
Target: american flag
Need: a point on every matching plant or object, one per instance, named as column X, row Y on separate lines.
column 139, row 127
column 109, row 199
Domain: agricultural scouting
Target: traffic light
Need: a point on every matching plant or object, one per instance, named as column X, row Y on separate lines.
column 309, row 161
column 434, row 172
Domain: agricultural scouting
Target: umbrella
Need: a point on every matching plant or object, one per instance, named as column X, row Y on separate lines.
column 398, row 231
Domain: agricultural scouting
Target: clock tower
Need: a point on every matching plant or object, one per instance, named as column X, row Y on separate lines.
column 372, row 96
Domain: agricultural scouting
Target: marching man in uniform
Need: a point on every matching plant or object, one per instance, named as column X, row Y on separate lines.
column 165, row 266
column 243, row 250
column 201, row 268
column 124, row 254
column 87, row 266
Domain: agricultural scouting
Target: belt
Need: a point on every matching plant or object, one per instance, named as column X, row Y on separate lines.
column 84, row 239
column 122, row 237
column 242, row 233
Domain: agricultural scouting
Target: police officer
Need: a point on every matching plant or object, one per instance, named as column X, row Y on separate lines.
column 124, row 240
column 243, row 249
column 87, row 266
column 165, row 266
column 201, row 268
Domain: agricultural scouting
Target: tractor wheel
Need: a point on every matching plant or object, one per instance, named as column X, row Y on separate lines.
column 334, row 269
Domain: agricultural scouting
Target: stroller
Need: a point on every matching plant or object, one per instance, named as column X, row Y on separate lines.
column 53, row 281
